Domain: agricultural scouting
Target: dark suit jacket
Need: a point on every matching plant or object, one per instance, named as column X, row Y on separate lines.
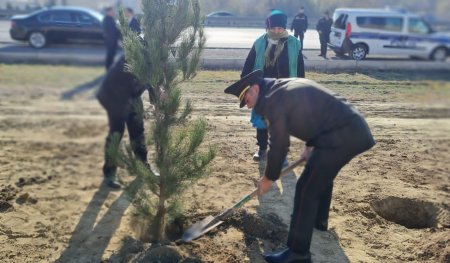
column 110, row 31
column 119, row 86
column 134, row 25
column 309, row 112
column 300, row 24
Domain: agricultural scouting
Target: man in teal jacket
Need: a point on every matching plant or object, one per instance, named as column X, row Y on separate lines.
column 278, row 55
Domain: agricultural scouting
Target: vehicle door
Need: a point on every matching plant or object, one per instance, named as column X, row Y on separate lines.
column 89, row 27
column 63, row 25
column 384, row 35
column 338, row 30
column 420, row 41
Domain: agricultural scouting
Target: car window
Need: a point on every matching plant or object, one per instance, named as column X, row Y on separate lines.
column 84, row 18
column 44, row 17
column 96, row 15
column 340, row 21
column 62, row 16
column 381, row 23
column 419, row 26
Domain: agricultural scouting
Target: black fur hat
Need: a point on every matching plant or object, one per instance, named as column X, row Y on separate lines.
column 276, row 18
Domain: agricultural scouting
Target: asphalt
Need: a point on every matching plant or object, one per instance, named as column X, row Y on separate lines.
column 213, row 58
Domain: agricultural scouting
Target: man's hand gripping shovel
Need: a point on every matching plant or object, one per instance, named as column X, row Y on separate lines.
column 210, row 222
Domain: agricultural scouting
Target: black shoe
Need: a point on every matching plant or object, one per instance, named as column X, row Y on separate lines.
column 259, row 155
column 288, row 256
column 320, row 55
column 112, row 182
column 321, row 226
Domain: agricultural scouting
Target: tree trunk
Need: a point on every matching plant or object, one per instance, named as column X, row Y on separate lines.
column 159, row 223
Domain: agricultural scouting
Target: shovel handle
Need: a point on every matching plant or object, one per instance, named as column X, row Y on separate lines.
column 285, row 172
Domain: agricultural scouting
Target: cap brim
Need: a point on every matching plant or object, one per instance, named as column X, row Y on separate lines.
column 242, row 104
column 237, row 87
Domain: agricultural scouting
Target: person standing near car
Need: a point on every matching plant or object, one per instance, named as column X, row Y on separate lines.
column 111, row 35
column 133, row 23
column 300, row 25
column 278, row 55
column 324, row 29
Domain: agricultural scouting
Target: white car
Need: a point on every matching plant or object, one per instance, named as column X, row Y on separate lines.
column 359, row 32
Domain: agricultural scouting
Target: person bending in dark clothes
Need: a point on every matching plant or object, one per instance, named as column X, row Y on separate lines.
column 120, row 95
column 334, row 133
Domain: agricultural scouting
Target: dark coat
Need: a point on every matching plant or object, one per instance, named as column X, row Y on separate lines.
column 305, row 110
column 324, row 25
column 299, row 24
column 119, row 87
column 110, row 31
column 134, row 25
column 281, row 68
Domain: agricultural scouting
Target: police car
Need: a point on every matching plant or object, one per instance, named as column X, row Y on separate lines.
column 359, row 32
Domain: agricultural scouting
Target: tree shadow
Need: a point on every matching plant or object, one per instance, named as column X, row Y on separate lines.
column 90, row 238
column 325, row 246
column 95, row 83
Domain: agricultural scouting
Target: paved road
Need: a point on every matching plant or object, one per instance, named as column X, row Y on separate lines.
column 216, row 37
column 226, row 48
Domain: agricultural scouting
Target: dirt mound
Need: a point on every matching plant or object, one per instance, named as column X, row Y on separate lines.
column 266, row 226
column 169, row 254
column 253, row 228
column 137, row 251
column 32, row 180
column 26, row 198
column 7, row 193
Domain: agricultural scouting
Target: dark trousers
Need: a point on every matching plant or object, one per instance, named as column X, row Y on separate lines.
column 262, row 136
column 324, row 39
column 132, row 116
column 111, row 49
column 314, row 188
column 300, row 36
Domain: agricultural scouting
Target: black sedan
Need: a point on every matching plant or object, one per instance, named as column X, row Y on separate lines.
column 57, row 24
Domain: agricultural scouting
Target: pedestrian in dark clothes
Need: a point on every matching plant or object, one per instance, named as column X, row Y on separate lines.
column 324, row 29
column 133, row 23
column 120, row 95
column 278, row 55
column 300, row 25
column 111, row 35
column 334, row 133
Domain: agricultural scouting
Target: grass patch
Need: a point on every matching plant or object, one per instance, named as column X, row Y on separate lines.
column 46, row 75
column 395, row 86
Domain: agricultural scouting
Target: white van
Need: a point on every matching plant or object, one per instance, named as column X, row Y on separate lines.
column 359, row 32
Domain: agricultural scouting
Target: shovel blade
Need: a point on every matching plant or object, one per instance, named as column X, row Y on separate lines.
column 200, row 228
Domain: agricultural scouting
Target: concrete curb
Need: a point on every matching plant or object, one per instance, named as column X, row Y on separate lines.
column 95, row 57
column 336, row 65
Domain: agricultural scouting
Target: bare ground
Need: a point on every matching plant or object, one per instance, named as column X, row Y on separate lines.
column 390, row 204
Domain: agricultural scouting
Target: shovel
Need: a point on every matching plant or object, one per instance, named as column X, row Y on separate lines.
column 210, row 222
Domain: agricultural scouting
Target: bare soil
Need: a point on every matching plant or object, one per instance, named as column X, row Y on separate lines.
column 391, row 204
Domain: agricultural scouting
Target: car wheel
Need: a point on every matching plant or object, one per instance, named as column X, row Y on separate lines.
column 37, row 39
column 439, row 54
column 359, row 52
